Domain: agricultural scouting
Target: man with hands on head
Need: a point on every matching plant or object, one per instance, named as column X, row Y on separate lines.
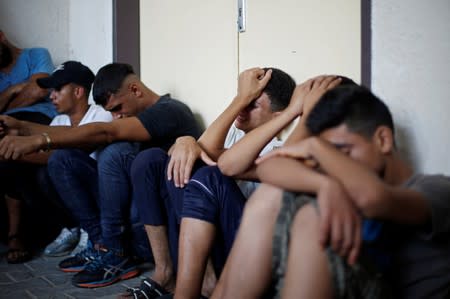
column 262, row 95
column 357, row 172
column 215, row 196
column 304, row 98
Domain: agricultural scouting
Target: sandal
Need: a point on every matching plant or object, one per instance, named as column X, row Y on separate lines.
column 148, row 289
column 17, row 255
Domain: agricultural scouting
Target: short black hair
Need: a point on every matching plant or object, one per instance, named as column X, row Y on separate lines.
column 353, row 105
column 108, row 81
column 279, row 89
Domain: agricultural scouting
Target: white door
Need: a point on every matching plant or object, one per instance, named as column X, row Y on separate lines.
column 304, row 38
column 189, row 48
column 193, row 50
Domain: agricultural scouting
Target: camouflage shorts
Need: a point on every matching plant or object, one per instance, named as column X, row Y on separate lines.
column 349, row 282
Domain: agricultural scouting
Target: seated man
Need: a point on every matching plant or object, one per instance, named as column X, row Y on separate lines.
column 99, row 193
column 20, row 96
column 262, row 96
column 67, row 97
column 23, row 99
column 70, row 84
column 317, row 242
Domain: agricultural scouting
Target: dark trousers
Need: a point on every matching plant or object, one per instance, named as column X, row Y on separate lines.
column 212, row 197
column 158, row 201
column 99, row 195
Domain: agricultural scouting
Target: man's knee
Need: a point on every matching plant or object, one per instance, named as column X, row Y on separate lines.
column 266, row 197
column 207, row 172
column 148, row 160
column 60, row 158
column 306, row 222
column 200, row 195
column 119, row 154
column 114, row 151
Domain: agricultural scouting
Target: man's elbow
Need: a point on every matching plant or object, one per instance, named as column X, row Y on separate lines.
column 371, row 203
column 262, row 169
column 227, row 168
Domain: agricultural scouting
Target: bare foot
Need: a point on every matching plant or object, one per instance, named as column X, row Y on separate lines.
column 17, row 253
column 165, row 279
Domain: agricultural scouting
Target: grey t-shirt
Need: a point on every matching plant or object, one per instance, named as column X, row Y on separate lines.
column 421, row 258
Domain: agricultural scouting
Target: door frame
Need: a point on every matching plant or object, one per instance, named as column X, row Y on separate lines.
column 126, row 31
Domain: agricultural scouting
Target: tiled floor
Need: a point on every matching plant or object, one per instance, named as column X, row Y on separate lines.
column 40, row 278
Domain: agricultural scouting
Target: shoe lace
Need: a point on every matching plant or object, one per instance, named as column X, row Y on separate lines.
column 88, row 253
column 99, row 260
column 95, row 264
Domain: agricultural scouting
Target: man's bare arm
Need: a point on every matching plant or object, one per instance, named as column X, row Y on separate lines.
column 29, row 94
column 13, row 126
column 290, row 174
column 85, row 136
column 241, row 156
column 210, row 145
column 340, row 222
column 373, row 196
column 7, row 95
column 250, row 87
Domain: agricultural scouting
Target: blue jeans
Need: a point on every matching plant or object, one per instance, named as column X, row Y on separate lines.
column 99, row 193
column 74, row 175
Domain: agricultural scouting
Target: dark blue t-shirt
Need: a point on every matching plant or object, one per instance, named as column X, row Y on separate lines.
column 167, row 120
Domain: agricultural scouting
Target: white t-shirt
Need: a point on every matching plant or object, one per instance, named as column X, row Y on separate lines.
column 233, row 136
column 95, row 113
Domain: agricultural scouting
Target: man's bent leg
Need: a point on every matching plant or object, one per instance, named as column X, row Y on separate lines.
column 303, row 268
column 74, row 176
column 307, row 273
column 248, row 275
column 212, row 203
column 113, row 262
column 150, row 194
column 114, row 168
column 196, row 239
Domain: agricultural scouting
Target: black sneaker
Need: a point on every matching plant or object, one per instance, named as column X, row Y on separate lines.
column 106, row 269
column 148, row 289
column 78, row 262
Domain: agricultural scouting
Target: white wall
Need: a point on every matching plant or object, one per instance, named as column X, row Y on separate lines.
column 70, row 29
column 410, row 50
column 410, row 65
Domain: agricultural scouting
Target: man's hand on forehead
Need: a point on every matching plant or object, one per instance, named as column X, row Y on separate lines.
column 251, row 84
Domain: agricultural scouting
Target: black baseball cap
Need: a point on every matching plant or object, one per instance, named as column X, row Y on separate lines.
column 68, row 72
